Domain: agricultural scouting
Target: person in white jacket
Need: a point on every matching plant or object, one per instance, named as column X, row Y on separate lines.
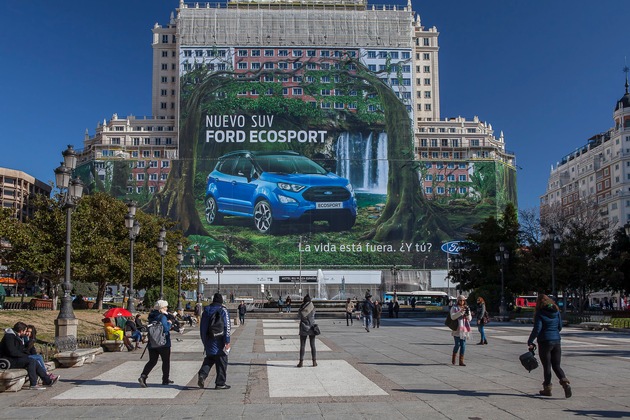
column 461, row 312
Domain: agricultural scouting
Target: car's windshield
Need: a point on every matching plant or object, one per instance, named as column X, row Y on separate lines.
column 289, row 165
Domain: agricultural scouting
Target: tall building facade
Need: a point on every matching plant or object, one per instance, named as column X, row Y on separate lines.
column 597, row 172
column 16, row 190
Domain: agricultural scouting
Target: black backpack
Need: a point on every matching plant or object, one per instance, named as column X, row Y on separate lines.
column 216, row 326
column 156, row 334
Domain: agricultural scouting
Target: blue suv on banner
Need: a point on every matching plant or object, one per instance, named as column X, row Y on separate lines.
column 272, row 187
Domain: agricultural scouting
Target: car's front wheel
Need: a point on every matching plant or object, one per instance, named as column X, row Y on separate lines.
column 263, row 220
column 213, row 217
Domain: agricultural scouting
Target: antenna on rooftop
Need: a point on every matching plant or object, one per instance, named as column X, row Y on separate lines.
column 626, row 69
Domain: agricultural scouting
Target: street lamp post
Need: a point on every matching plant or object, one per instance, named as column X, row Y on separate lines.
column 555, row 246
column 219, row 270
column 134, row 230
column 162, row 247
column 199, row 260
column 395, row 271
column 180, row 258
column 66, row 323
column 300, row 280
column 502, row 256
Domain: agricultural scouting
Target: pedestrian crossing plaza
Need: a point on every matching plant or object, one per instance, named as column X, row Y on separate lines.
column 403, row 365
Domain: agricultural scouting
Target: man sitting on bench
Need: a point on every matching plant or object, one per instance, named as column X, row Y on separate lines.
column 13, row 349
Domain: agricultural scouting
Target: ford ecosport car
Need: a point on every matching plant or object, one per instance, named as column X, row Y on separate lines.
column 272, row 187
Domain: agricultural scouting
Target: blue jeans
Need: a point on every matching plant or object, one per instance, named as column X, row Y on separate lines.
column 368, row 321
column 39, row 359
column 482, row 332
column 459, row 343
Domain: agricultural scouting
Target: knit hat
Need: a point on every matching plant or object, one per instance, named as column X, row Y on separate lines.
column 217, row 298
column 161, row 304
column 306, row 298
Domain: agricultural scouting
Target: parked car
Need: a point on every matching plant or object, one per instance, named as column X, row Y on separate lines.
column 274, row 187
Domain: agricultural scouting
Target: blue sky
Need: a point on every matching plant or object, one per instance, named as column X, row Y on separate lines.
column 546, row 73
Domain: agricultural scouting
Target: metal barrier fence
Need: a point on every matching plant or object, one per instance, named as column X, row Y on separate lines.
column 48, row 350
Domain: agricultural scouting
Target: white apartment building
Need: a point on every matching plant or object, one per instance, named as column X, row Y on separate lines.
column 598, row 171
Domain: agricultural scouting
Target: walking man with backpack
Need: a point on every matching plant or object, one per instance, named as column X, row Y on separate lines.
column 159, row 343
column 215, row 336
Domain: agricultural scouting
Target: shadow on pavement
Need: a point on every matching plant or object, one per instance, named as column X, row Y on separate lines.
column 402, row 364
column 604, row 414
column 464, row 393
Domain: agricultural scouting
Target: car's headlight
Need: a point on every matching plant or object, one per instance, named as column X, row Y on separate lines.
column 290, row 187
column 349, row 187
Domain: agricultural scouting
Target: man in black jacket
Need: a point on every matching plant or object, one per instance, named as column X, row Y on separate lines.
column 12, row 348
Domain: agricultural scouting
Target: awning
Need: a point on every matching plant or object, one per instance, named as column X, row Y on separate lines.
column 8, row 281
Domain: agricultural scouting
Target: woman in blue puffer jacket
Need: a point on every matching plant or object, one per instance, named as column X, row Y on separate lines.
column 547, row 327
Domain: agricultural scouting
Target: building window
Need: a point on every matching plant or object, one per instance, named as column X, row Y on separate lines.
column 427, row 82
column 140, row 177
column 462, row 178
column 462, row 190
column 311, row 53
column 440, row 190
column 242, row 66
column 283, row 53
column 426, row 56
column 242, row 53
column 255, row 53
column 450, row 178
column 429, row 190
column 425, row 42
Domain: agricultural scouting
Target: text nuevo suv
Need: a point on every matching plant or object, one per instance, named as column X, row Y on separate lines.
column 272, row 187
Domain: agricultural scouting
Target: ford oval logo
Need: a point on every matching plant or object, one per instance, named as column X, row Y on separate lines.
column 452, row 247
column 328, row 192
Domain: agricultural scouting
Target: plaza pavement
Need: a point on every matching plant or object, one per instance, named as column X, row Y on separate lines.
column 399, row 371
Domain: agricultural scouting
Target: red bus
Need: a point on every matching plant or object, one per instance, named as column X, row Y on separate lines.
column 526, row 301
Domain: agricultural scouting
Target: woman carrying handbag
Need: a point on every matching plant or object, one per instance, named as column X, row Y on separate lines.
column 307, row 322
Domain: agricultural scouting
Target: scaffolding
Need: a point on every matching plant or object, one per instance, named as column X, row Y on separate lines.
column 333, row 24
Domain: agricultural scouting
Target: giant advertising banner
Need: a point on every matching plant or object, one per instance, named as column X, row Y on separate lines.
column 309, row 161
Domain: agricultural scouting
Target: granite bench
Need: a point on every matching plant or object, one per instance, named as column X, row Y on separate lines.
column 70, row 355
column 13, row 379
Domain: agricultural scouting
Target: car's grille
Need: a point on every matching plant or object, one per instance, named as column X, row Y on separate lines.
column 325, row 194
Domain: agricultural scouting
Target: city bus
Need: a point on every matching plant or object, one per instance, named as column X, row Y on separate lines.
column 424, row 298
column 526, row 301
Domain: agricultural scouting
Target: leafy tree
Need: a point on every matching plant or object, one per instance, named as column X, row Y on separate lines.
column 153, row 294
column 480, row 271
column 100, row 244
column 617, row 264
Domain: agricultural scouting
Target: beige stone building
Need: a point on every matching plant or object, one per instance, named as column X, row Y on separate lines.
column 16, row 190
column 597, row 172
